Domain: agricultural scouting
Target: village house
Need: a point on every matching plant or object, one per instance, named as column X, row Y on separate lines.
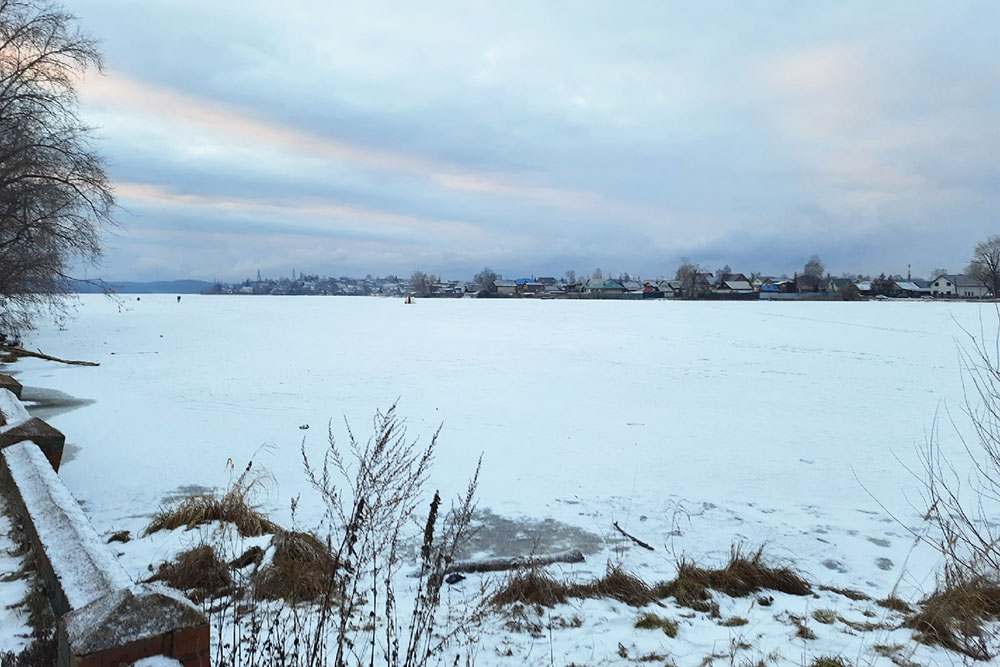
column 605, row 288
column 837, row 284
column 651, row 290
column 809, row 283
column 528, row 287
column 909, row 288
column 505, row 287
column 958, row 285
column 735, row 287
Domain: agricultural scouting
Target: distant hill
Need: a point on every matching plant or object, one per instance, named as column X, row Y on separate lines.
column 157, row 287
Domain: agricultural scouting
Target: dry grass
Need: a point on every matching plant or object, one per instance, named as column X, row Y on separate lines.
column 688, row 593
column 825, row 616
column 235, row 506
column 848, row 593
column 534, row 586
column 829, row 661
column 531, row 586
column 861, row 626
column 954, row 617
column 887, row 650
column 302, row 570
column 802, row 629
column 651, row 621
column 198, row 571
column 743, row 574
column 620, row 585
column 895, row 604
column 734, row 622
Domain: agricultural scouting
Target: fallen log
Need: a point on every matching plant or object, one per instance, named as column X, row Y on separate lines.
column 21, row 352
column 511, row 563
column 635, row 539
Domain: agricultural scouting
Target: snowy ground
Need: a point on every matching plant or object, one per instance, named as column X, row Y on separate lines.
column 694, row 425
column 14, row 588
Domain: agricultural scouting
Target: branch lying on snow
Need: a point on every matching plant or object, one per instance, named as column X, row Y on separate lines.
column 635, row 539
column 512, row 563
column 21, row 352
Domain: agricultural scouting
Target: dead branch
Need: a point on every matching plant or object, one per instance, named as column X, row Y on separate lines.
column 513, row 562
column 635, row 539
column 21, row 352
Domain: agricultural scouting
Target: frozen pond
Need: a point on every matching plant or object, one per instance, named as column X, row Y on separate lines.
column 696, row 424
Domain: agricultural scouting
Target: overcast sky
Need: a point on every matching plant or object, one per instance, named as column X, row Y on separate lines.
column 345, row 138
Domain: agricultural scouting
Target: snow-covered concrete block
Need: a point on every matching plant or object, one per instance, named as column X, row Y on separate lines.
column 48, row 438
column 74, row 562
column 105, row 618
column 12, row 411
column 134, row 623
column 10, row 384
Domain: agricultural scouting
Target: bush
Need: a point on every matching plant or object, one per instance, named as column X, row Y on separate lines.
column 235, row 506
column 198, row 572
column 301, row 570
column 961, row 510
column 956, row 615
column 371, row 492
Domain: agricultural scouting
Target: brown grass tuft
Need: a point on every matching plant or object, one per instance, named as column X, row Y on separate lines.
column 829, row 661
column 302, row 570
column 651, row 621
column 622, row 586
column 235, row 507
column 687, row 592
column 954, row 616
column 848, row 593
column 825, row 616
column 743, row 574
column 734, row 622
column 198, row 572
column 535, row 586
column 531, row 586
column 895, row 604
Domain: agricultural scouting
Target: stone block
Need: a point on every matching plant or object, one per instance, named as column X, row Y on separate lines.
column 48, row 438
column 74, row 563
column 136, row 622
column 10, row 384
column 12, row 410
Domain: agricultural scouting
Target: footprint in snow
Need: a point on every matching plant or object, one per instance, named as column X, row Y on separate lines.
column 883, row 563
column 831, row 564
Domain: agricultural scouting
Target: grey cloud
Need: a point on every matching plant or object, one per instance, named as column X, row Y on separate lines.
column 706, row 128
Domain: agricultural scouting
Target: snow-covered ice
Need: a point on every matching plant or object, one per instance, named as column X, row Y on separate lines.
column 694, row 425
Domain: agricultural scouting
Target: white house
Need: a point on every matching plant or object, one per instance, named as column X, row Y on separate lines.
column 962, row 286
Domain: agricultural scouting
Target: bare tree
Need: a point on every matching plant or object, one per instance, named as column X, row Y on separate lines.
column 985, row 264
column 422, row 283
column 55, row 197
column 814, row 267
column 485, row 280
column 571, row 276
column 687, row 274
column 597, row 275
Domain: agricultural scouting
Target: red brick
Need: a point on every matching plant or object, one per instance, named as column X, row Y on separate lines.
column 193, row 646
